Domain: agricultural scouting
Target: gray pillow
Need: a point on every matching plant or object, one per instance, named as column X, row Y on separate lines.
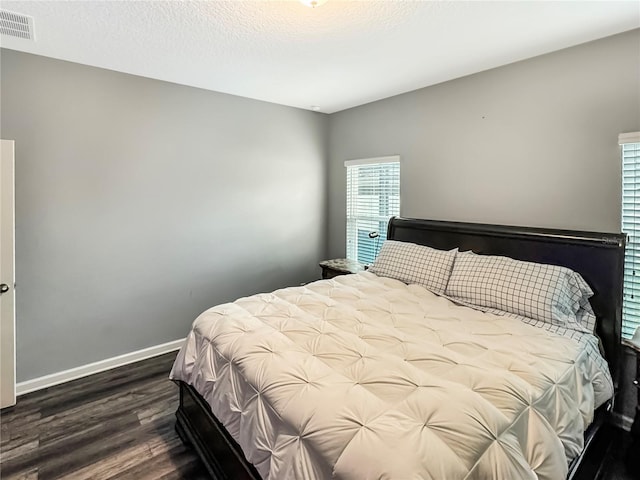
column 547, row 293
column 412, row 263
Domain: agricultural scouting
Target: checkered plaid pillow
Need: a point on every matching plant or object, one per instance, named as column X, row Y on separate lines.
column 412, row 263
column 546, row 293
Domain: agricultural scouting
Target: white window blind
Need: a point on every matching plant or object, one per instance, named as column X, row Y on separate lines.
column 630, row 147
column 373, row 196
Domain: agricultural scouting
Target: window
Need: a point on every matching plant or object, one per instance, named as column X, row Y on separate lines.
column 373, row 196
column 630, row 147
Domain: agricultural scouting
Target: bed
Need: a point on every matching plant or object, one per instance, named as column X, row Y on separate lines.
column 365, row 376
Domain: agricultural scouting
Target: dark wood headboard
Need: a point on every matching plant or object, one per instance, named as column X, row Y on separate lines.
column 598, row 257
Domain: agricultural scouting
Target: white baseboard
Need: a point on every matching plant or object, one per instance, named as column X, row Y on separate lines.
column 39, row 383
column 622, row 421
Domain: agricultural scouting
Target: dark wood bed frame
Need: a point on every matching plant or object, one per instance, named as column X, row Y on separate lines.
column 598, row 257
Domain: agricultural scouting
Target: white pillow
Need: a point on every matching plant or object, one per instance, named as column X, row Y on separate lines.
column 547, row 293
column 412, row 263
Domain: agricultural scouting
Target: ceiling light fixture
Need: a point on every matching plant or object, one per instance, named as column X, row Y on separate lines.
column 313, row 3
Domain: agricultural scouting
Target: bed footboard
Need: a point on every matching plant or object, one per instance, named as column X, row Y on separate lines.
column 196, row 425
column 223, row 457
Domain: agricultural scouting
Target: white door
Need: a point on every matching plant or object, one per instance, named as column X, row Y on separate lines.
column 7, row 293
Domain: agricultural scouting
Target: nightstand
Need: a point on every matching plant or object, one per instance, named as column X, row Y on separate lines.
column 633, row 462
column 340, row 266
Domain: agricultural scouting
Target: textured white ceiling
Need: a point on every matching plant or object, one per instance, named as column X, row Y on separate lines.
column 342, row 54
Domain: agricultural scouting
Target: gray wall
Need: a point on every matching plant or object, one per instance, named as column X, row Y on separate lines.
column 140, row 203
column 532, row 143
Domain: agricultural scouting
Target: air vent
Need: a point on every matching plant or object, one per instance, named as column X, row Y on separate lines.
column 16, row 25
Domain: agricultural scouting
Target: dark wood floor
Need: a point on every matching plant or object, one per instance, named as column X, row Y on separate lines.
column 113, row 425
column 119, row 425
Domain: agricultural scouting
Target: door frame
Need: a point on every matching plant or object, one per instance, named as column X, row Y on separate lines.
column 7, row 275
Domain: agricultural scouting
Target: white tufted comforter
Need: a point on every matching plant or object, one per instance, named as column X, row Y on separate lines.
column 364, row 377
